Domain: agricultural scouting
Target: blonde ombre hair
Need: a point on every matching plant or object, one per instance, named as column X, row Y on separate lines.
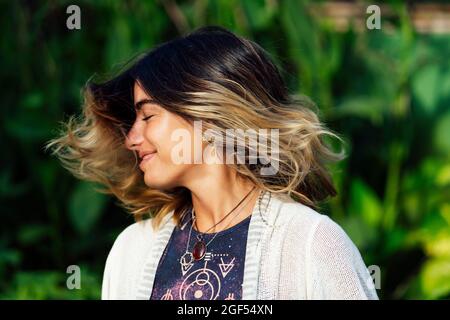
column 210, row 75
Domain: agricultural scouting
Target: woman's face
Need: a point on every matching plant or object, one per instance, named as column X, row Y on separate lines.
column 150, row 137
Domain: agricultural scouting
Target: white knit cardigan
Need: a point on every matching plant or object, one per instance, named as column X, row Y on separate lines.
column 292, row 252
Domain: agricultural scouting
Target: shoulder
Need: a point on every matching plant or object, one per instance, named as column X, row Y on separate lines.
column 336, row 267
column 140, row 233
column 130, row 243
column 125, row 259
column 134, row 233
column 133, row 241
column 332, row 263
column 319, row 233
column 299, row 217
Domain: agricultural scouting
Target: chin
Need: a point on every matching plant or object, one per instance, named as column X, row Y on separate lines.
column 155, row 182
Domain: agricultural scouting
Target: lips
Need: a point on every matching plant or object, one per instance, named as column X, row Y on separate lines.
column 142, row 154
column 146, row 156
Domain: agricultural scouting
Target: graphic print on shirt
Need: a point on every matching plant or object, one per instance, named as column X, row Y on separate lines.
column 218, row 276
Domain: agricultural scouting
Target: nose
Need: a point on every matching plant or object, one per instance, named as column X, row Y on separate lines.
column 134, row 139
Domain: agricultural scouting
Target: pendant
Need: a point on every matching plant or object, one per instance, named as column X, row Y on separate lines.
column 186, row 262
column 199, row 250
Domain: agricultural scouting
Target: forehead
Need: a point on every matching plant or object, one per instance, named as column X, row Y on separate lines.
column 139, row 93
column 141, row 98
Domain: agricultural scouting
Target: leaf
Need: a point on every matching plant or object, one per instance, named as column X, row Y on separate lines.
column 396, row 240
column 442, row 134
column 34, row 100
column 365, row 203
column 32, row 233
column 443, row 176
column 9, row 257
column 425, row 86
column 85, row 207
column 30, row 126
column 10, row 188
column 435, row 278
column 371, row 108
column 359, row 232
column 439, row 245
column 259, row 13
column 119, row 47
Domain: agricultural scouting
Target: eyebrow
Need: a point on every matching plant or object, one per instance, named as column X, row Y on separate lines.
column 138, row 105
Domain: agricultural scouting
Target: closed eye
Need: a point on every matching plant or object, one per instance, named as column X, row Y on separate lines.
column 146, row 118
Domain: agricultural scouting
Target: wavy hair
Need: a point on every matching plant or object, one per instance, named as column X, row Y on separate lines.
column 211, row 75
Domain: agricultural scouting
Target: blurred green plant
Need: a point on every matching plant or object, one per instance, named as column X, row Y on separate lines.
column 387, row 92
column 45, row 285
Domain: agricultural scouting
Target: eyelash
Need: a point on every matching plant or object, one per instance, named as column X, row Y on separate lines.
column 146, row 118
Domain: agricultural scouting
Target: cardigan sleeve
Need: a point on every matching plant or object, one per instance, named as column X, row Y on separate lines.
column 123, row 263
column 336, row 270
column 110, row 274
column 126, row 260
column 106, row 285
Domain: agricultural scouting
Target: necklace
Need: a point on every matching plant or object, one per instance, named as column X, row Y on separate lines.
column 199, row 249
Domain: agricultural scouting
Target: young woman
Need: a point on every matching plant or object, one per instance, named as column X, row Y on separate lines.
column 222, row 169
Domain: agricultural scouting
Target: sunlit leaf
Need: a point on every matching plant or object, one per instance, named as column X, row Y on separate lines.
column 435, row 278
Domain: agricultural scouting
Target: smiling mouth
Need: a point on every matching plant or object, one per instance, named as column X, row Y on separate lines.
column 146, row 159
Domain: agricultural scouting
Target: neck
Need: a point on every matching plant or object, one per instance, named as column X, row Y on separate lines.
column 216, row 194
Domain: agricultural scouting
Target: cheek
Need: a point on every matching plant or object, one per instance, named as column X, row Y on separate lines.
column 159, row 135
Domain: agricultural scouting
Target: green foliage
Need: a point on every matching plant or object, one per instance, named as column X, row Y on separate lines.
column 44, row 285
column 387, row 92
column 83, row 217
